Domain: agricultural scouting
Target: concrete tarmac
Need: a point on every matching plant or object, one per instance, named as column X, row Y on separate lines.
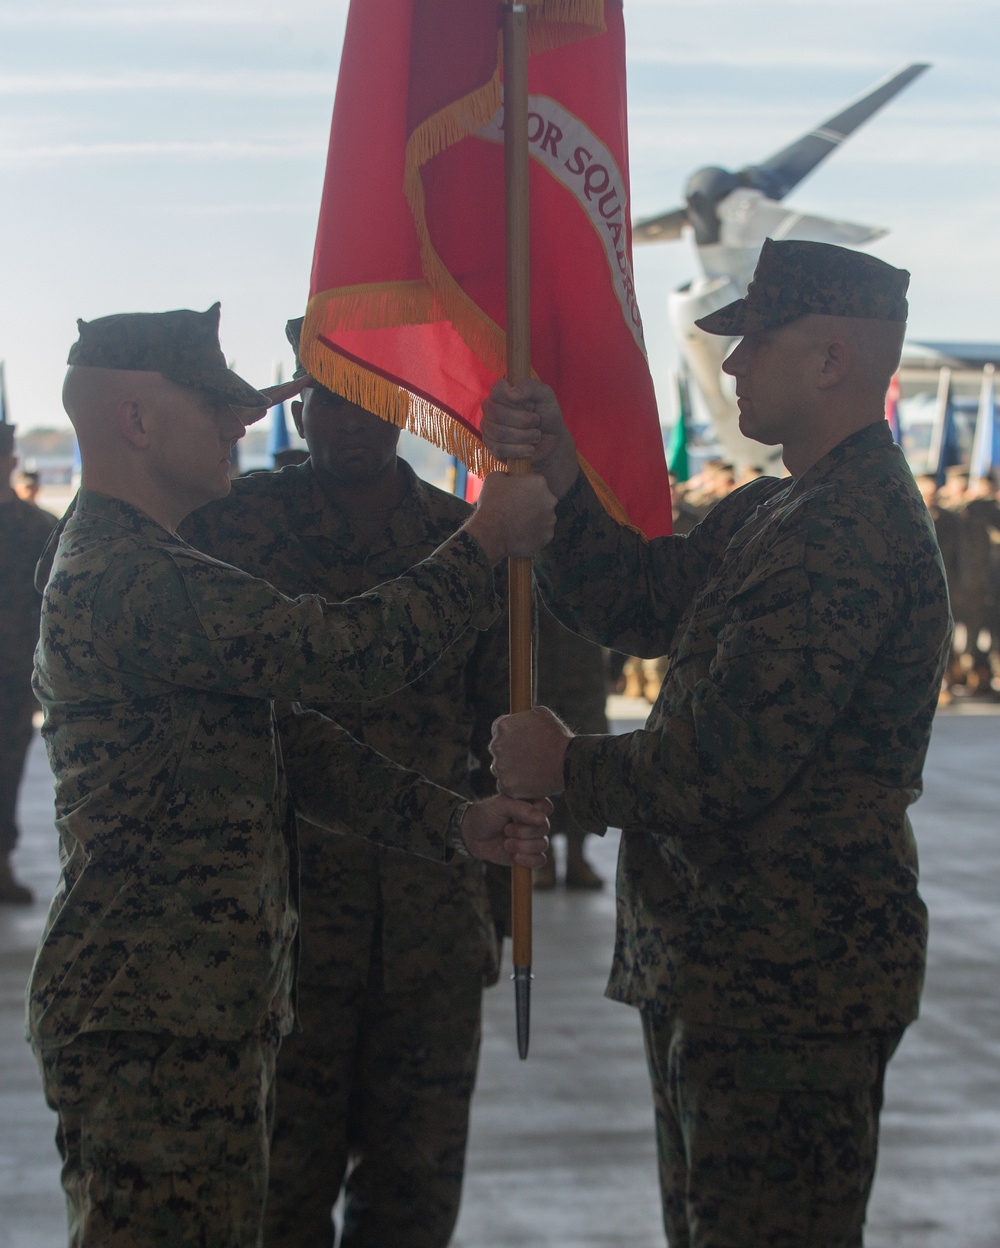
column 562, row 1152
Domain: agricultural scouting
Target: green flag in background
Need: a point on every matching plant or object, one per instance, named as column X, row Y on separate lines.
column 677, row 451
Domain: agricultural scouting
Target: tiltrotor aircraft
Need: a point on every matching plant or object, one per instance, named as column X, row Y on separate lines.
column 729, row 216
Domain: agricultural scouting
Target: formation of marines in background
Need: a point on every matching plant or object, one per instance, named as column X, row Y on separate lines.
column 572, row 677
column 967, row 523
column 241, row 763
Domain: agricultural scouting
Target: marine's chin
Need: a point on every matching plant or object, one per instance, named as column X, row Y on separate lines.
column 223, row 483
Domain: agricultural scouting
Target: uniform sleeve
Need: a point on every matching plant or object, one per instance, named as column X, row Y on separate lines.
column 606, row 582
column 791, row 645
column 488, row 694
column 336, row 781
column 179, row 618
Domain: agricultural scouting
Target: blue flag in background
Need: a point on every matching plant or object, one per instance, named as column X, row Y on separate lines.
column 460, row 478
column 986, row 444
column 278, row 439
column 944, row 450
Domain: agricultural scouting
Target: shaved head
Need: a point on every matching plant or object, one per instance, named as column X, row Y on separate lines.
column 164, row 447
column 92, row 398
column 85, row 388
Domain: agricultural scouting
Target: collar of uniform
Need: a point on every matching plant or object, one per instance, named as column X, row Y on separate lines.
column 320, row 517
column 311, row 514
column 874, row 437
column 412, row 520
column 90, row 506
column 426, row 513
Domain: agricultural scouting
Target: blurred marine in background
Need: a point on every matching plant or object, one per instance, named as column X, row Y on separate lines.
column 24, row 530
column 572, row 678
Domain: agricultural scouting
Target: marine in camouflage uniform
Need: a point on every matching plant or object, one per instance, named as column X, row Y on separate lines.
column 24, row 530
column 377, row 1084
column 979, row 531
column 769, row 925
column 948, row 531
column 165, row 971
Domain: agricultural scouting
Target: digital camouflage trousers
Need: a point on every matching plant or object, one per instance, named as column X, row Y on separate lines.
column 373, row 1098
column 764, row 1139
column 163, row 1140
column 17, row 705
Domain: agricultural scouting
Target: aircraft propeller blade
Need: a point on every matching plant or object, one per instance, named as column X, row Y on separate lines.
column 666, row 226
column 779, row 173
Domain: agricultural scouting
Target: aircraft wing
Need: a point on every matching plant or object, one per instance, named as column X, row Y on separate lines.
column 666, row 226
column 788, row 167
column 748, row 218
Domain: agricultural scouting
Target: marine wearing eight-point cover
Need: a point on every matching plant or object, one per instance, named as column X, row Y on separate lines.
column 769, row 924
column 395, row 950
column 175, row 916
column 182, row 346
column 24, row 530
column 796, row 278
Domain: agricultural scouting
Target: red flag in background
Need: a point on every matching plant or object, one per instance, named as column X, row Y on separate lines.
column 892, row 410
column 406, row 308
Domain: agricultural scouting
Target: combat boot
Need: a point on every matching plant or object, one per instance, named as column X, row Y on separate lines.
column 545, row 877
column 12, row 891
column 580, row 874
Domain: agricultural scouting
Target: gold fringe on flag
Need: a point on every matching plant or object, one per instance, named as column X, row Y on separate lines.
column 554, row 23
column 379, row 394
column 398, row 405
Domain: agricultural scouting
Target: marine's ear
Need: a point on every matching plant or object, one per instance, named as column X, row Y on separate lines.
column 129, row 414
column 296, row 409
column 836, row 363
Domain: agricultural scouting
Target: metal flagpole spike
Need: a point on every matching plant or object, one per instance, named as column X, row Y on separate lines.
column 522, row 978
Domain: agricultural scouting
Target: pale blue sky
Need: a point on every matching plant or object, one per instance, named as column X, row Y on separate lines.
column 161, row 154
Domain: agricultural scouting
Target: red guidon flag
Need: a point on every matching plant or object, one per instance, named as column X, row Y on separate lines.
column 406, row 307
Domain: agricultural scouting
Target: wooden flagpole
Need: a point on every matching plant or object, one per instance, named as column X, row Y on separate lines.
column 515, row 73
